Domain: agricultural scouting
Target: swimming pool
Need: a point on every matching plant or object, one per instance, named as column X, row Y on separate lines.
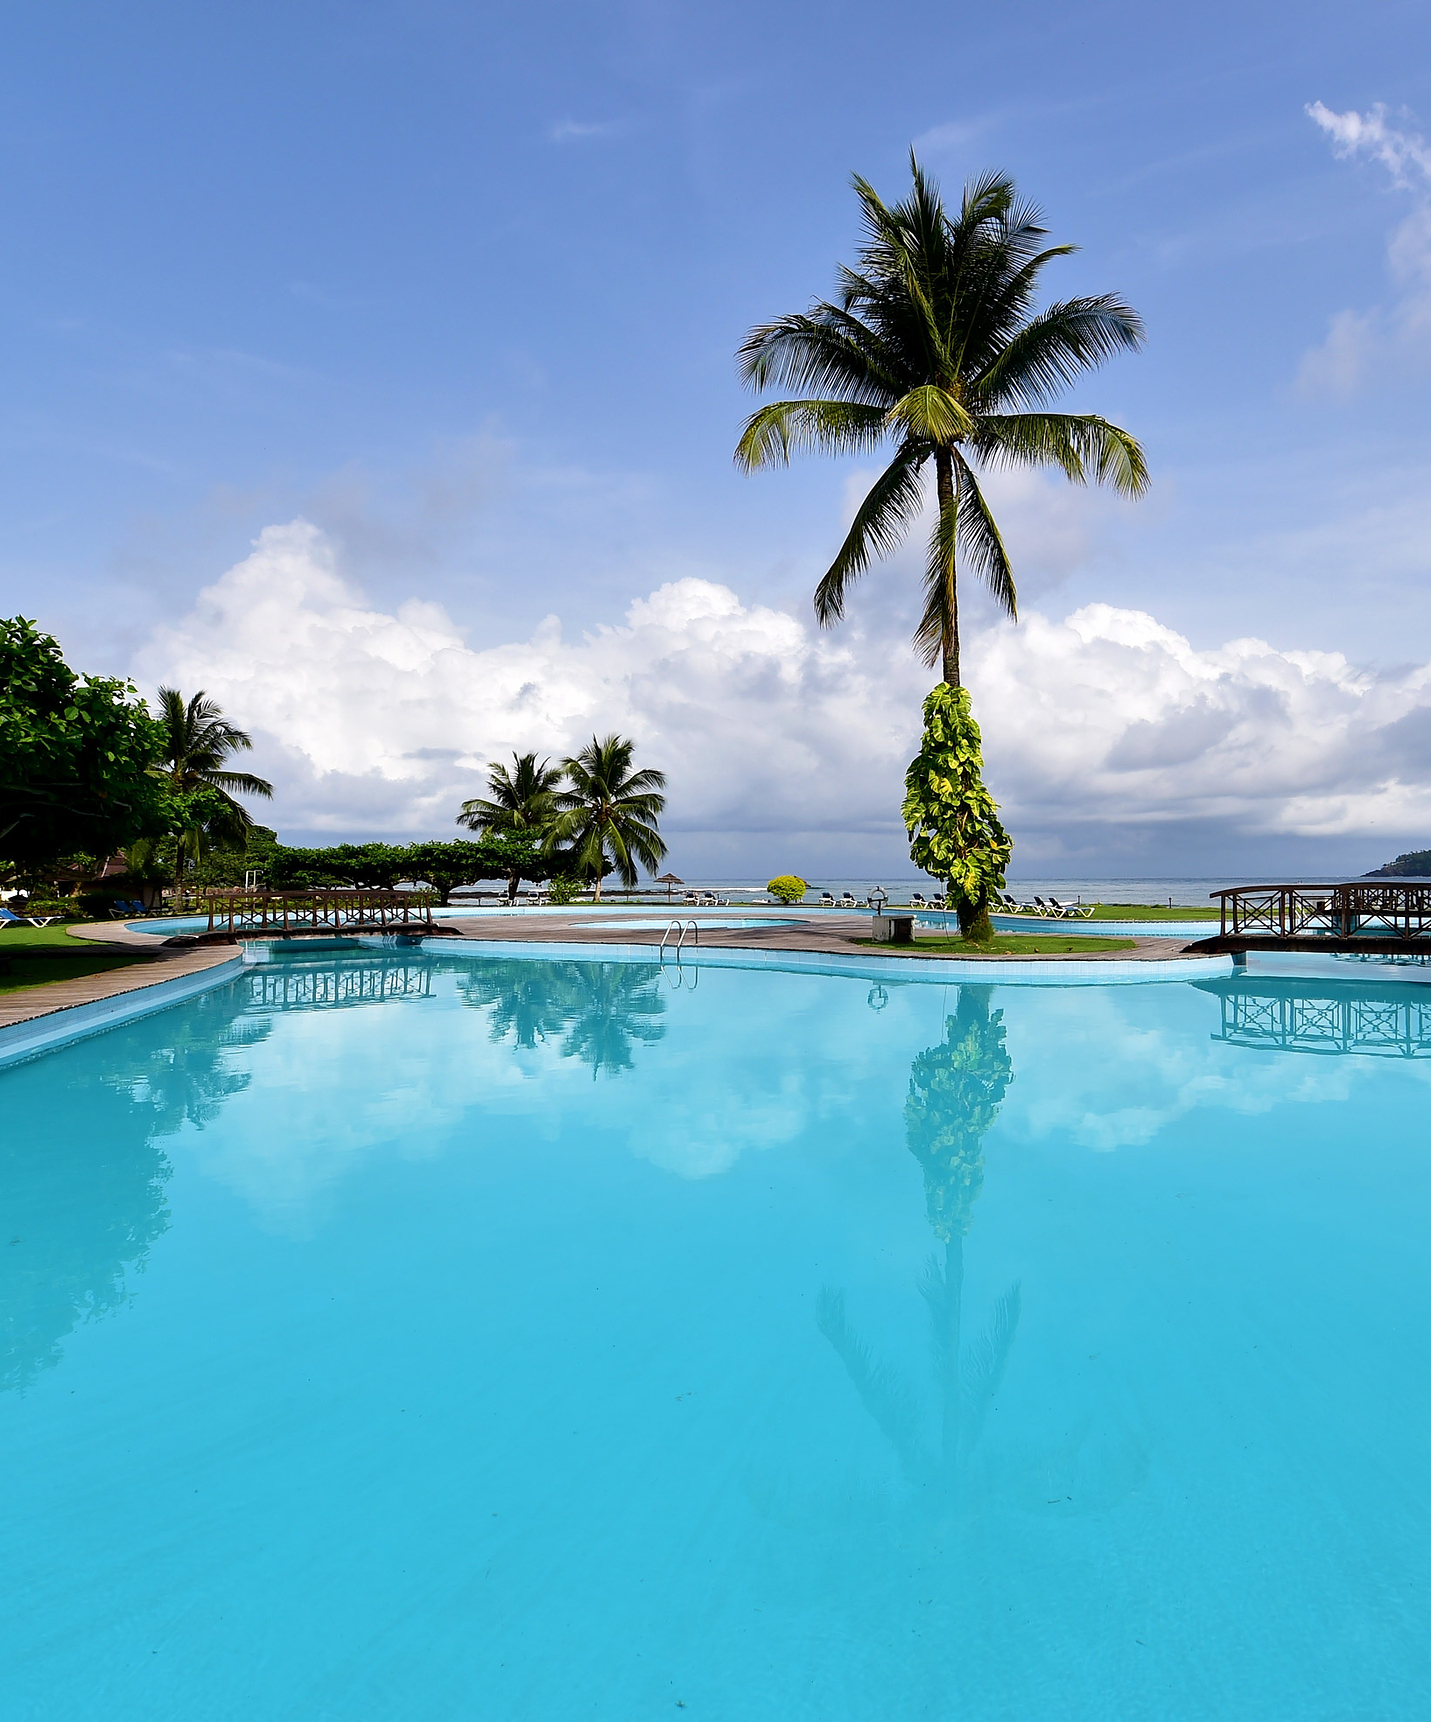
column 440, row 1337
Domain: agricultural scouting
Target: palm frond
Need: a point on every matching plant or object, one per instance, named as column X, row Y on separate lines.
column 878, row 528
column 827, row 350
column 983, row 542
column 930, row 414
column 1082, row 444
column 832, row 427
column 1055, row 348
column 239, row 783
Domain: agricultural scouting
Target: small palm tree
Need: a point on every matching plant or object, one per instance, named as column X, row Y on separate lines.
column 609, row 812
column 935, row 345
column 523, row 802
column 198, row 738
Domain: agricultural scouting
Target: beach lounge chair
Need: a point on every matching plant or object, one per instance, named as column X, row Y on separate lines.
column 1072, row 911
column 8, row 918
column 917, row 900
column 847, row 900
column 827, row 899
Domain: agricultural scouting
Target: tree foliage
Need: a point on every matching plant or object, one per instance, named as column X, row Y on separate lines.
column 934, row 344
column 953, row 822
column 384, row 866
column 609, row 811
column 198, row 739
column 521, row 803
column 787, row 888
column 75, row 755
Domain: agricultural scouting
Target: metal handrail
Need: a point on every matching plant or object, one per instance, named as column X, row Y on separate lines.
column 691, row 927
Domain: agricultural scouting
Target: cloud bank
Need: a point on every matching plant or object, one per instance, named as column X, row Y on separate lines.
column 373, row 721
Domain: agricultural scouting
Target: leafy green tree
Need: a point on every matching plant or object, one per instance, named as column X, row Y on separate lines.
column 198, row 739
column 934, row 345
column 75, row 756
column 342, row 866
column 609, row 811
column 953, row 822
column 522, row 804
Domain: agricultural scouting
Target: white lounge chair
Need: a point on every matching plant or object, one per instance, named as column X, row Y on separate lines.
column 917, row 900
column 1072, row 911
column 847, row 900
column 827, row 899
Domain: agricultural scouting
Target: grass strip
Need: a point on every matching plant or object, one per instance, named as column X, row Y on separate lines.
column 19, row 971
column 1002, row 945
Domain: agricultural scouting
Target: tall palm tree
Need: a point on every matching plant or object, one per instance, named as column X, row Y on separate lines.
column 934, row 344
column 609, row 811
column 198, row 738
column 523, row 803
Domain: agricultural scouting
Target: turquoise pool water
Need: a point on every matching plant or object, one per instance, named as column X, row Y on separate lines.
column 437, row 1337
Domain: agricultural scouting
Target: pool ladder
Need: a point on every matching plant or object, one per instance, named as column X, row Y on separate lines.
column 680, row 929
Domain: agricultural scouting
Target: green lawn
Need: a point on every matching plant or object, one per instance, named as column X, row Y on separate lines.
column 1005, row 945
column 1152, row 912
column 19, row 971
column 26, row 958
column 13, row 938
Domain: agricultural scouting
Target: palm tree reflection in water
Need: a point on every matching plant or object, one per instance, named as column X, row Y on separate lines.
column 597, row 1012
column 84, row 1172
column 955, row 1090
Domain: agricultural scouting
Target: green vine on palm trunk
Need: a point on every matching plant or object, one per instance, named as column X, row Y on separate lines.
column 955, row 834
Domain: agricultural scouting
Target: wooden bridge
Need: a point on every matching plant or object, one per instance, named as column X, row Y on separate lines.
column 1360, row 916
column 286, row 914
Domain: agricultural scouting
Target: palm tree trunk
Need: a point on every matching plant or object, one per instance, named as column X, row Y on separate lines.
column 944, row 482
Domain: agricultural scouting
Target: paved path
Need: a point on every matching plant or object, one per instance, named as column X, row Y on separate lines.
column 162, row 963
column 831, row 934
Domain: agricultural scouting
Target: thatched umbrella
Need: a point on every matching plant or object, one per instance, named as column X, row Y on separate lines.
column 668, row 880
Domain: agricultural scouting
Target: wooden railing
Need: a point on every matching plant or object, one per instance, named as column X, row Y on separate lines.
column 288, row 912
column 1386, row 908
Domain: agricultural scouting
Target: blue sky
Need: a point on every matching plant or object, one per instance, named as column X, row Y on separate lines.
column 456, row 289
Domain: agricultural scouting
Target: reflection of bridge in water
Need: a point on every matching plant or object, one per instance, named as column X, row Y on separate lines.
column 1330, row 1018
column 336, row 985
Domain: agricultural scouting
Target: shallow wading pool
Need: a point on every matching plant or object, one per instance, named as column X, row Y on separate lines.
column 441, row 1336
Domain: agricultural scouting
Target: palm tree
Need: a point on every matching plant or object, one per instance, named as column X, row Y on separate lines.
column 198, row 738
column 609, row 811
column 523, row 803
column 934, row 345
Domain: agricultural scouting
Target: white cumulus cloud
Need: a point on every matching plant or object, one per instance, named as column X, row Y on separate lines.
column 1362, row 344
column 379, row 721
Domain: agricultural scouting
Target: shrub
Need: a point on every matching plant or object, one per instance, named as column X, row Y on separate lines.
column 564, row 890
column 787, row 888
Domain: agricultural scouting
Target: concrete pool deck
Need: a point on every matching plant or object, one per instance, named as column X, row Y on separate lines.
column 832, row 934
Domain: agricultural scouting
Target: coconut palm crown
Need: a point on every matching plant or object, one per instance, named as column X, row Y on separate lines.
column 521, row 799
column 609, row 812
column 198, row 738
column 935, row 345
